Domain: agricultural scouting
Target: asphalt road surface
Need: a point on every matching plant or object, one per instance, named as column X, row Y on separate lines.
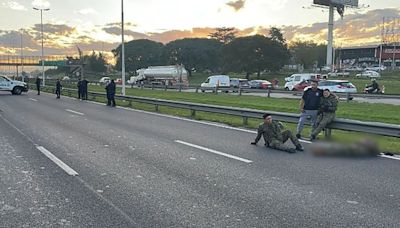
column 70, row 163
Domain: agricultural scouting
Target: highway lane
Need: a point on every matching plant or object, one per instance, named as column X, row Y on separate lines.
column 134, row 161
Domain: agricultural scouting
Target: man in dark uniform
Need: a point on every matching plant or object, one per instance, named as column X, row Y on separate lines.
column 309, row 106
column 84, row 89
column 274, row 137
column 38, row 83
column 58, row 88
column 79, row 85
column 110, row 88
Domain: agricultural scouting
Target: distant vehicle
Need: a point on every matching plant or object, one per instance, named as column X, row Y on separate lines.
column 167, row 75
column 300, row 86
column 368, row 74
column 376, row 68
column 104, row 80
column 337, row 86
column 133, row 80
column 260, row 84
column 223, row 81
column 239, row 82
column 66, row 78
column 297, row 78
column 15, row 87
column 118, row 81
column 354, row 69
column 339, row 74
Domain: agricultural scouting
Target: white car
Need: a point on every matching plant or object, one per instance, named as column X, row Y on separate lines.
column 336, row 86
column 376, row 68
column 222, row 81
column 295, row 79
column 105, row 80
column 368, row 74
column 15, row 87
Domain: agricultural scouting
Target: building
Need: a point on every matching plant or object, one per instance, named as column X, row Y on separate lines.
column 367, row 56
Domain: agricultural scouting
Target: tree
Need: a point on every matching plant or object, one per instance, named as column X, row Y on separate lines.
column 309, row 53
column 254, row 54
column 140, row 54
column 95, row 62
column 194, row 53
column 276, row 35
column 224, row 34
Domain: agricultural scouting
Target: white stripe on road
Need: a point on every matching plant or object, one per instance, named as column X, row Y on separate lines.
column 213, row 151
column 33, row 99
column 58, row 162
column 390, row 157
column 75, row 112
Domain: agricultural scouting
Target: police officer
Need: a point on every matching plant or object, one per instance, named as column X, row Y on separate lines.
column 58, row 88
column 327, row 109
column 38, row 83
column 79, row 85
column 309, row 105
column 274, row 137
column 110, row 88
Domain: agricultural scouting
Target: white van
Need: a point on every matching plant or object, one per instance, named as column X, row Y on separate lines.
column 297, row 78
column 223, row 81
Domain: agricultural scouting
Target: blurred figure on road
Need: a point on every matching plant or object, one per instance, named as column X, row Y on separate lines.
column 110, row 89
column 309, row 105
column 360, row 148
column 79, row 85
column 84, row 90
column 326, row 114
column 58, row 88
column 274, row 137
column 38, row 84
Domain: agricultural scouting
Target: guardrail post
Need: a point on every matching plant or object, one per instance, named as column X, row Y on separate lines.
column 166, row 87
column 141, row 86
column 180, row 88
column 328, row 133
column 152, row 86
column 130, row 103
column 240, row 91
column 156, row 107
column 192, row 113
column 216, row 89
column 347, row 97
column 245, row 120
column 269, row 93
column 197, row 89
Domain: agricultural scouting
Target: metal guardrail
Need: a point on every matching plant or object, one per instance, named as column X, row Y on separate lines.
column 391, row 130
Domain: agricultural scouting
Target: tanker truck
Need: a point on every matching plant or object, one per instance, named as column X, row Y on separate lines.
column 163, row 75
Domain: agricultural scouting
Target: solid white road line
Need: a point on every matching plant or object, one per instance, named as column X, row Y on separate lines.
column 391, row 157
column 33, row 99
column 75, row 112
column 58, row 162
column 214, row 151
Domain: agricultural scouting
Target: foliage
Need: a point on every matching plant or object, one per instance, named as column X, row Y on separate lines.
column 224, row 34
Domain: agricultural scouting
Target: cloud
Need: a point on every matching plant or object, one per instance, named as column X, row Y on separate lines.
column 236, row 5
column 14, row 6
column 41, row 3
column 86, row 11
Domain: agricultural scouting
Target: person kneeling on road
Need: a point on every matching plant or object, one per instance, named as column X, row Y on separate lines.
column 274, row 137
column 327, row 108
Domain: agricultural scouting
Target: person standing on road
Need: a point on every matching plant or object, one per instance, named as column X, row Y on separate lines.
column 327, row 109
column 274, row 137
column 309, row 105
column 79, row 85
column 58, row 88
column 84, row 89
column 110, row 88
column 38, row 84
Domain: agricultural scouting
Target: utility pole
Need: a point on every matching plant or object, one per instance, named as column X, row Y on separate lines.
column 329, row 53
column 41, row 29
column 123, row 48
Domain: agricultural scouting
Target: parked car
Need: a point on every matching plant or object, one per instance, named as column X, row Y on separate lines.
column 339, row 74
column 15, row 87
column 104, row 80
column 118, row 81
column 236, row 82
column 222, row 81
column 66, row 78
column 260, row 84
column 297, row 78
column 336, row 86
column 354, row 69
column 368, row 74
column 376, row 68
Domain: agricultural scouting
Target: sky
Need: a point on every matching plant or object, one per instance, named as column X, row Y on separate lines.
column 95, row 24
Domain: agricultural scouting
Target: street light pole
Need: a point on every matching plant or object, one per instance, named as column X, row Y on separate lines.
column 41, row 30
column 22, row 57
column 123, row 48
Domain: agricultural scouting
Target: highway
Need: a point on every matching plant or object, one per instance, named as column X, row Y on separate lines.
column 81, row 164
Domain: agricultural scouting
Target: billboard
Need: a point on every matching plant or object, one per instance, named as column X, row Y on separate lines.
column 337, row 2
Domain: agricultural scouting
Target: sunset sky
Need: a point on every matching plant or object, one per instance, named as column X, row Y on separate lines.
column 94, row 24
